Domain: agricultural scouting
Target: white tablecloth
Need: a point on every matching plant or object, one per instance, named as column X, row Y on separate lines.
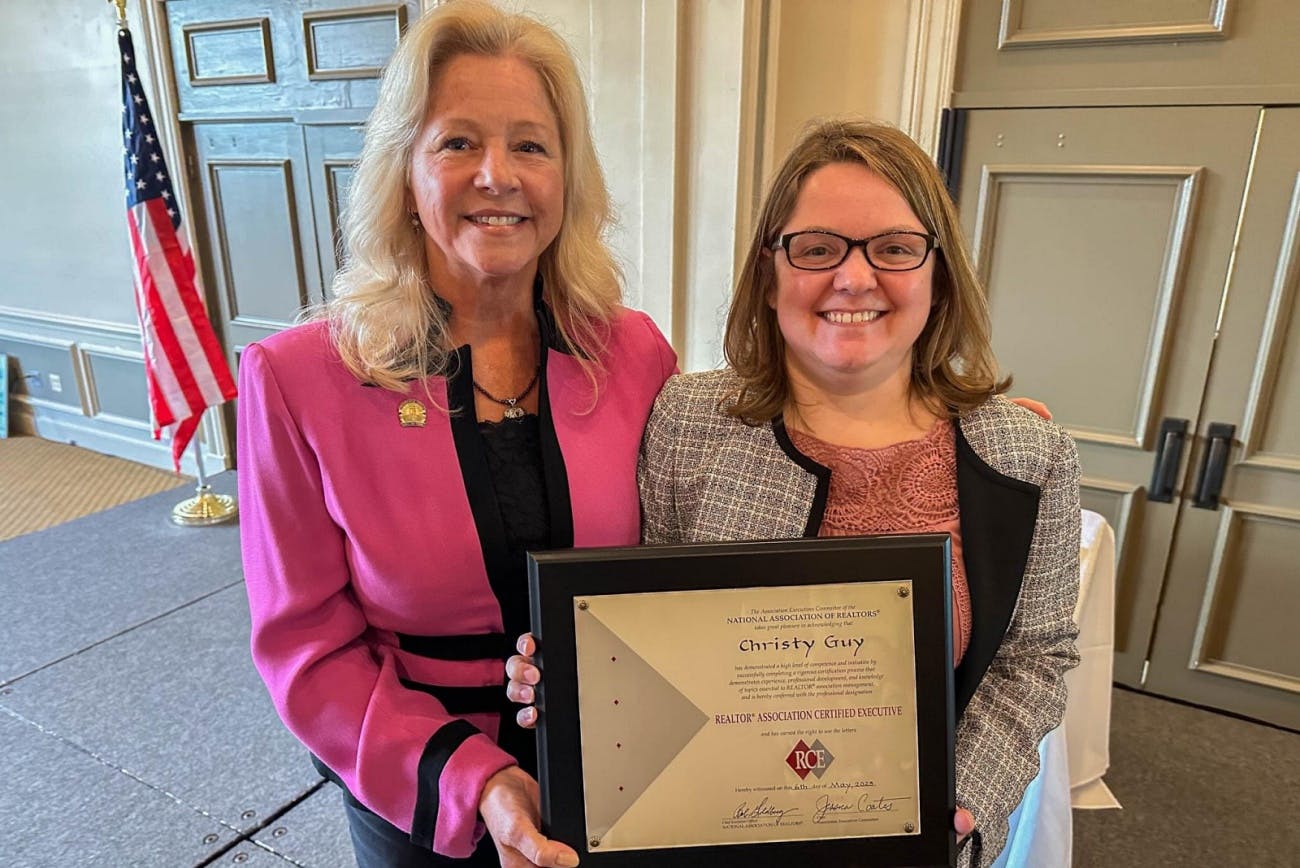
column 1075, row 755
column 1087, row 711
column 1042, row 830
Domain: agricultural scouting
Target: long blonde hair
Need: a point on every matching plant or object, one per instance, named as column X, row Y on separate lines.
column 384, row 317
column 953, row 365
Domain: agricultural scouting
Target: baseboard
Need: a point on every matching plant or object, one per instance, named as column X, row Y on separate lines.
column 119, row 439
column 82, row 381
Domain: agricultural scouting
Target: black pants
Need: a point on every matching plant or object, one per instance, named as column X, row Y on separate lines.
column 379, row 844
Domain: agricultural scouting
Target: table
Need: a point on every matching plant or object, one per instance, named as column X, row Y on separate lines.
column 1087, row 711
column 1074, row 756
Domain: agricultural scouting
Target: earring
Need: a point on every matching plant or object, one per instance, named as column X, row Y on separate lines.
column 415, row 220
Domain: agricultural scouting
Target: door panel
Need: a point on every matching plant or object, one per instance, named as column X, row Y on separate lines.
column 258, row 213
column 1226, row 635
column 1124, row 228
column 274, row 59
column 1118, row 52
column 1035, row 22
column 1102, row 236
column 332, row 152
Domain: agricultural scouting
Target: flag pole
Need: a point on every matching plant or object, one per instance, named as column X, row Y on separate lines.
column 185, row 369
column 205, row 507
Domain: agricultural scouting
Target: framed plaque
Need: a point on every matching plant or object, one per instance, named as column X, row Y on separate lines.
column 757, row 703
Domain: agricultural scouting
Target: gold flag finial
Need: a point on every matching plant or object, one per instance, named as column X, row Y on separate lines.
column 121, row 11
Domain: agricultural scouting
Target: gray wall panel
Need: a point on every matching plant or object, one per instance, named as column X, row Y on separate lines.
column 103, row 401
column 228, row 52
column 115, row 381
column 258, row 239
column 46, row 369
column 351, row 43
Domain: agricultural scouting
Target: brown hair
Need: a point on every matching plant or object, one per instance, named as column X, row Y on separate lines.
column 384, row 319
column 953, row 368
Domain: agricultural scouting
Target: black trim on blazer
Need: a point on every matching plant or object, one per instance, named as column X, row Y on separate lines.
column 554, row 474
column 823, row 474
column 467, row 700
column 997, row 515
column 471, row 646
column 550, row 331
column 330, row 775
column 437, row 751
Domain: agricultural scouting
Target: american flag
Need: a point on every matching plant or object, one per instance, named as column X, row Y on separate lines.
column 185, row 367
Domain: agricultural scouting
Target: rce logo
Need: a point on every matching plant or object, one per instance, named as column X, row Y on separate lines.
column 806, row 758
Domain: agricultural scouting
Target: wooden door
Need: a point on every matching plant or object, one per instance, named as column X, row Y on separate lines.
column 1128, row 52
column 1103, row 236
column 272, row 98
column 332, row 152
column 261, row 238
column 1109, row 148
column 1226, row 634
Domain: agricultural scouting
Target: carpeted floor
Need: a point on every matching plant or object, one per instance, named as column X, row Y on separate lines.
column 1198, row 788
column 44, row 483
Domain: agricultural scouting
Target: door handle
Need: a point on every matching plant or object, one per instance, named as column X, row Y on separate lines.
column 1169, row 454
column 1214, row 463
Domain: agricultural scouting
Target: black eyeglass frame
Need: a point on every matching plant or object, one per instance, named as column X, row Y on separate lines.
column 783, row 243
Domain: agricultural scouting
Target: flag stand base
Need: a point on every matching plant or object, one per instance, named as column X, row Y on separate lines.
column 205, row 508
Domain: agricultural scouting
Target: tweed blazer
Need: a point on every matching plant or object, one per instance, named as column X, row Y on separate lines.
column 704, row 476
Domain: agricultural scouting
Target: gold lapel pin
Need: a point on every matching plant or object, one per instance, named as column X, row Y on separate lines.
column 411, row 414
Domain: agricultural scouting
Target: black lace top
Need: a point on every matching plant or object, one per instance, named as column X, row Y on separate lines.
column 515, row 461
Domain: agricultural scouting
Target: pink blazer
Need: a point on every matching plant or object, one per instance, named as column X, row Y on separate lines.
column 356, row 529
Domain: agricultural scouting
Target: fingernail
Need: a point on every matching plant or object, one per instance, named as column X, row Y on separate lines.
column 532, row 676
column 526, row 694
column 567, row 860
column 530, row 714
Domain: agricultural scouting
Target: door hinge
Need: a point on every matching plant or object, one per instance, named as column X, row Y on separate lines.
column 1146, row 665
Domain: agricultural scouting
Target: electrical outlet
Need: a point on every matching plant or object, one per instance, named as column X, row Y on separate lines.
column 56, row 383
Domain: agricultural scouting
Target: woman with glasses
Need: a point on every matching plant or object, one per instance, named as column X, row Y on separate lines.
column 862, row 397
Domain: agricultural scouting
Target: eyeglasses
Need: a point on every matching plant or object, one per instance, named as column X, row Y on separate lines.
column 891, row 251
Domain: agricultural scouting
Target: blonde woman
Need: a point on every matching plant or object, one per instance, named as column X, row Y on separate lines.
column 472, row 390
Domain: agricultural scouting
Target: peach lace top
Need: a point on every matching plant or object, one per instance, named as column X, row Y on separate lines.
column 909, row 487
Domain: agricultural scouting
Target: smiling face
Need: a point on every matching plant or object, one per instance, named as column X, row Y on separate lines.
column 850, row 328
column 487, row 173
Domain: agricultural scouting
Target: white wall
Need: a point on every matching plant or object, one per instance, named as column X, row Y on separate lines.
column 664, row 80
column 694, row 100
column 838, row 56
column 63, row 232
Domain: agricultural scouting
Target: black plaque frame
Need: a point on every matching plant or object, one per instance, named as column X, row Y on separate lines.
column 555, row 578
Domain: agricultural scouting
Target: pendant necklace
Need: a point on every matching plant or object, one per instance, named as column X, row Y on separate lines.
column 513, row 411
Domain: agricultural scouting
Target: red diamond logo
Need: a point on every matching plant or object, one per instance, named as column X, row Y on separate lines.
column 798, row 760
